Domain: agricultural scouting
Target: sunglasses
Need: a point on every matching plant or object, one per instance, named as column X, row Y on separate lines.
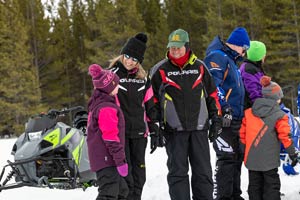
column 132, row 58
column 245, row 48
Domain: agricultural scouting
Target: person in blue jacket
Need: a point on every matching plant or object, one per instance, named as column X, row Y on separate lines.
column 221, row 59
column 295, row 135
column 252, row 71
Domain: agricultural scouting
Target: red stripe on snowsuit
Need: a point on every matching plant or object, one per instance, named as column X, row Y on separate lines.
column 165, row 79
column 199, row 79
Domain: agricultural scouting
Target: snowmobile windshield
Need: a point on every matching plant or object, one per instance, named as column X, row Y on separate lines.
column 39, row 123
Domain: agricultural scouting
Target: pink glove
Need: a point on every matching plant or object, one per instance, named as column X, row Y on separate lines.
column 123, row 170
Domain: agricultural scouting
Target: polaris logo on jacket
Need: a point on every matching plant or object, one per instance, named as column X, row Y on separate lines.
column 183, row 72
column 130, row 80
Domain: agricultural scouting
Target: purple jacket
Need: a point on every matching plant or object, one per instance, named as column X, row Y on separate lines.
column 106, row 132
column 251, row 73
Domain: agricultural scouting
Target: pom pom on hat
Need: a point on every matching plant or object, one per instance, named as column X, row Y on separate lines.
column 270, row 89
column 257, row 51
column 95, row 70
column 104, row 80
column 239, row 37
column 135, row 47
column 265, row 81
column 142, row 37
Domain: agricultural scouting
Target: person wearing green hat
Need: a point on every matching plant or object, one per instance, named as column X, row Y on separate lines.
column 186, row 100
column 252, row 70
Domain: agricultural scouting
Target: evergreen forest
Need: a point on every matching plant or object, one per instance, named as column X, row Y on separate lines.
column 46, row 46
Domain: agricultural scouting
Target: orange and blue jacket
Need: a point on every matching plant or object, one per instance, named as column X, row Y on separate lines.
column 263, row 127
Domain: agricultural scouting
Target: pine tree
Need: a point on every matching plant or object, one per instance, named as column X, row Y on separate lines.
column 280, row 35
column 110, row 25
column 156, row 26
column 56, row 83
column 79, row 33
column 190, row 16
column 224, row 15
column 38, row 32
column 19, row 88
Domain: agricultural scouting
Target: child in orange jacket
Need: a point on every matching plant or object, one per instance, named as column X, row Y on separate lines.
column 264, row 126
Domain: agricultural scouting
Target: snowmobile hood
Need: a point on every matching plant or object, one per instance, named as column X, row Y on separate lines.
column 265, row 107
column 49, row 140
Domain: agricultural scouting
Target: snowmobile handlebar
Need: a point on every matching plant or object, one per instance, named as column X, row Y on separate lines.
column 54, row 113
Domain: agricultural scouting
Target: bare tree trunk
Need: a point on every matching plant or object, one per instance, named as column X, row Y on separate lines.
column 33, row 38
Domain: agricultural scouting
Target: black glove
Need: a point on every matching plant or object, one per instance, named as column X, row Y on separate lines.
column 227, row 116
column 154, row 136
column 294, row 158
column 161, row 139
column 154, row 140
column 215, row 128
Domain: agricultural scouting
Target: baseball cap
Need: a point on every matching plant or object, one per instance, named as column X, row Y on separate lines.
column 178, row 38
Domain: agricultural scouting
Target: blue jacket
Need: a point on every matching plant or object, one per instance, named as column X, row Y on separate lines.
column 295, row 129
column 221, row 62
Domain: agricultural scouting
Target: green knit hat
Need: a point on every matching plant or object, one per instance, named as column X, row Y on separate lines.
column 257, row 51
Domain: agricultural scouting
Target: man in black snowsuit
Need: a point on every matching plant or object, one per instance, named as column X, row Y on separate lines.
column 186, row 98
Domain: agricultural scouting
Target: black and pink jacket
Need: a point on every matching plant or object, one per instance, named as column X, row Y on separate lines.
column 136, row 101
column 105, row 132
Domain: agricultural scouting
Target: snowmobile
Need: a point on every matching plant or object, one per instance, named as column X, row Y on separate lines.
column 51, row 153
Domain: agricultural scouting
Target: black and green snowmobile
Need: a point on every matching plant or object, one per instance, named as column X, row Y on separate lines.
column 51, row 153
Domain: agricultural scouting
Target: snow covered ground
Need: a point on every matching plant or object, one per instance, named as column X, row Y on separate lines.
column 156, row 187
